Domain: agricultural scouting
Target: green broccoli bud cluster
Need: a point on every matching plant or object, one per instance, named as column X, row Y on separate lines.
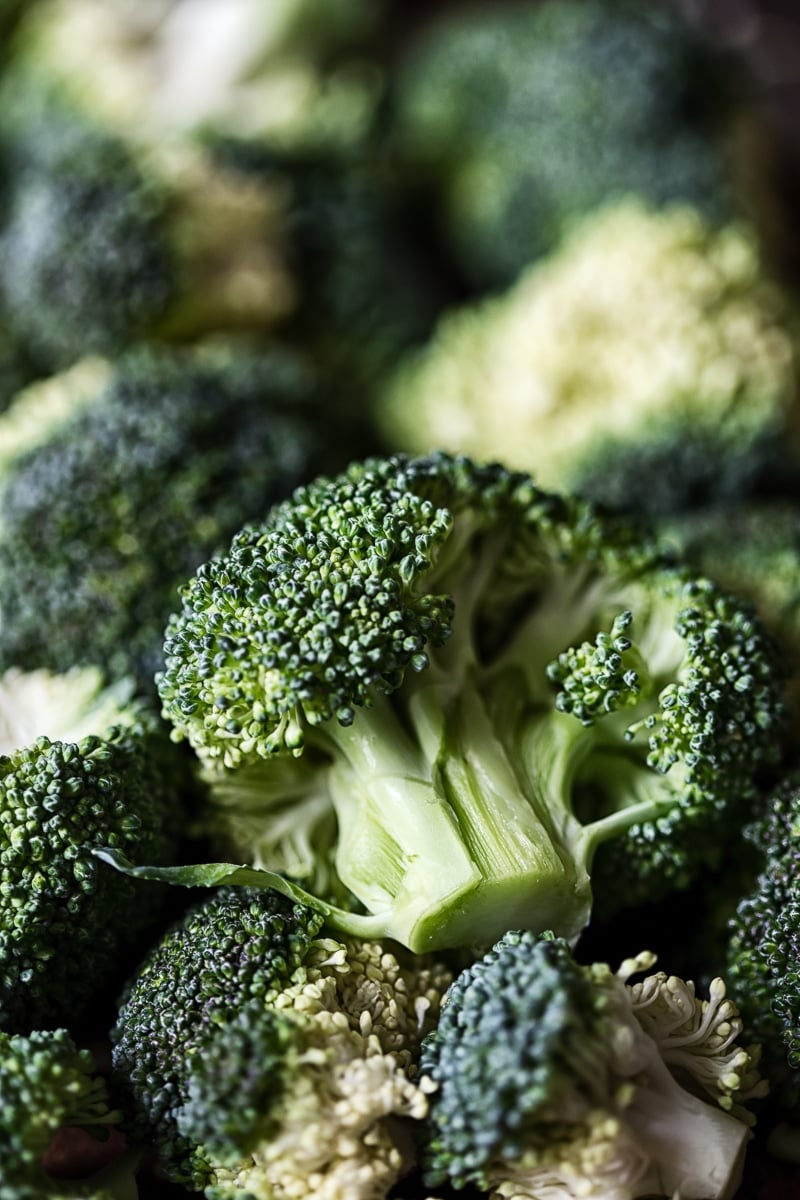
column 46, row 1084
column 80, row 767
column 119, row 478
column 526, row 117
column 553, row 1076
column 265, row 1057
column 376, row 658
column 599, row 678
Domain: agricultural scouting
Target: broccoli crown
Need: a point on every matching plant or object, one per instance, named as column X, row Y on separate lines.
column 414, row 647
column 80, row 767
column 528, row 116
column 120, row 479
column 264, row 1057
column 764, row 946
column 620, row 357
column 84, row 259
column 46, row 1083
column 553, row 1075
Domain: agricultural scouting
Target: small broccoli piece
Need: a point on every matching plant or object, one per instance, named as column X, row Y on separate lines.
column 264, row 1057
column 764, row 949
column 649, row 346
column 373, row 659
column 754, row 551
column 80, row 767
column 46, row 1085
column 101, row 245
column 117, row 480
column 527, row 116
column 555, row 1078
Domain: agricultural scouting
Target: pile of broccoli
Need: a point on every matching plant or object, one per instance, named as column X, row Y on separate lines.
column 399, row 607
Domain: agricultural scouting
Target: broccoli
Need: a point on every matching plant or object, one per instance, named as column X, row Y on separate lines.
column 81, row 766
column 118, row 479
column 649, row 346
column 101, row 245
column 753, row 550
column 265, row 1058
column 248, row 69
column 47, row 1085
column 553, row 1077
column 764, row 952
column 425, row 674
column 527, row 116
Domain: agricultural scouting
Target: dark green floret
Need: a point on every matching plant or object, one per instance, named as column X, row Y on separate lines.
column 119, row 479
column 394, row 671
column 264, row 1058
column 764, row 949
column 554, row 1075
column 46, row 1084
column 80, row 767
column 528, row 116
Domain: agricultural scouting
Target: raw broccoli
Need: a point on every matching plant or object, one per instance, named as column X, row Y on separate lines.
column 101, row 245
column 527, row 116
column 649, row 346
column 264, row 1058
column 558, row 1078
column 117, row 480
column 47, row 1084
column 80, row 767
column 453, row 687
column 764, row 952
column 752, row 550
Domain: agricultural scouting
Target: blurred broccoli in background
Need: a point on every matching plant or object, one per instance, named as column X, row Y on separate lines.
column 525, row 116
column 118, row 478
column 79, row 764
column 101, row 245
column 650, row 347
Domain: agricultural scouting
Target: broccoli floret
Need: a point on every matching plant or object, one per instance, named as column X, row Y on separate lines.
column 764, row 949
column 80, row 767
column 47, row 1084
column 374, row 660
column 527, row 116
column 649, row 346
column 171, row 67
column 754, row 551
column 265, row 1058
column 117, row 480
column 554, row 1078
column 101, row 245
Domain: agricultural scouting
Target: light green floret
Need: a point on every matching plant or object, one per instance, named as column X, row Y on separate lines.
column 413, row 660
column 557, row 1079
column 648, row 346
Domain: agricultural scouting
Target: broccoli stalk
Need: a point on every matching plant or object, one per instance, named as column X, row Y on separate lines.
column 435, row 655
column 553, row 1075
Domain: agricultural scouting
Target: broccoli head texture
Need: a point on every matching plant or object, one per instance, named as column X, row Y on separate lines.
column 46, row 1084
column 81, row 766
column 265, row 1058
column 100, row 245
column 556, row 1078
column 451, row 687
column 764, row 948
column 649, row 345
column 527, row 116
column 118, row 479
